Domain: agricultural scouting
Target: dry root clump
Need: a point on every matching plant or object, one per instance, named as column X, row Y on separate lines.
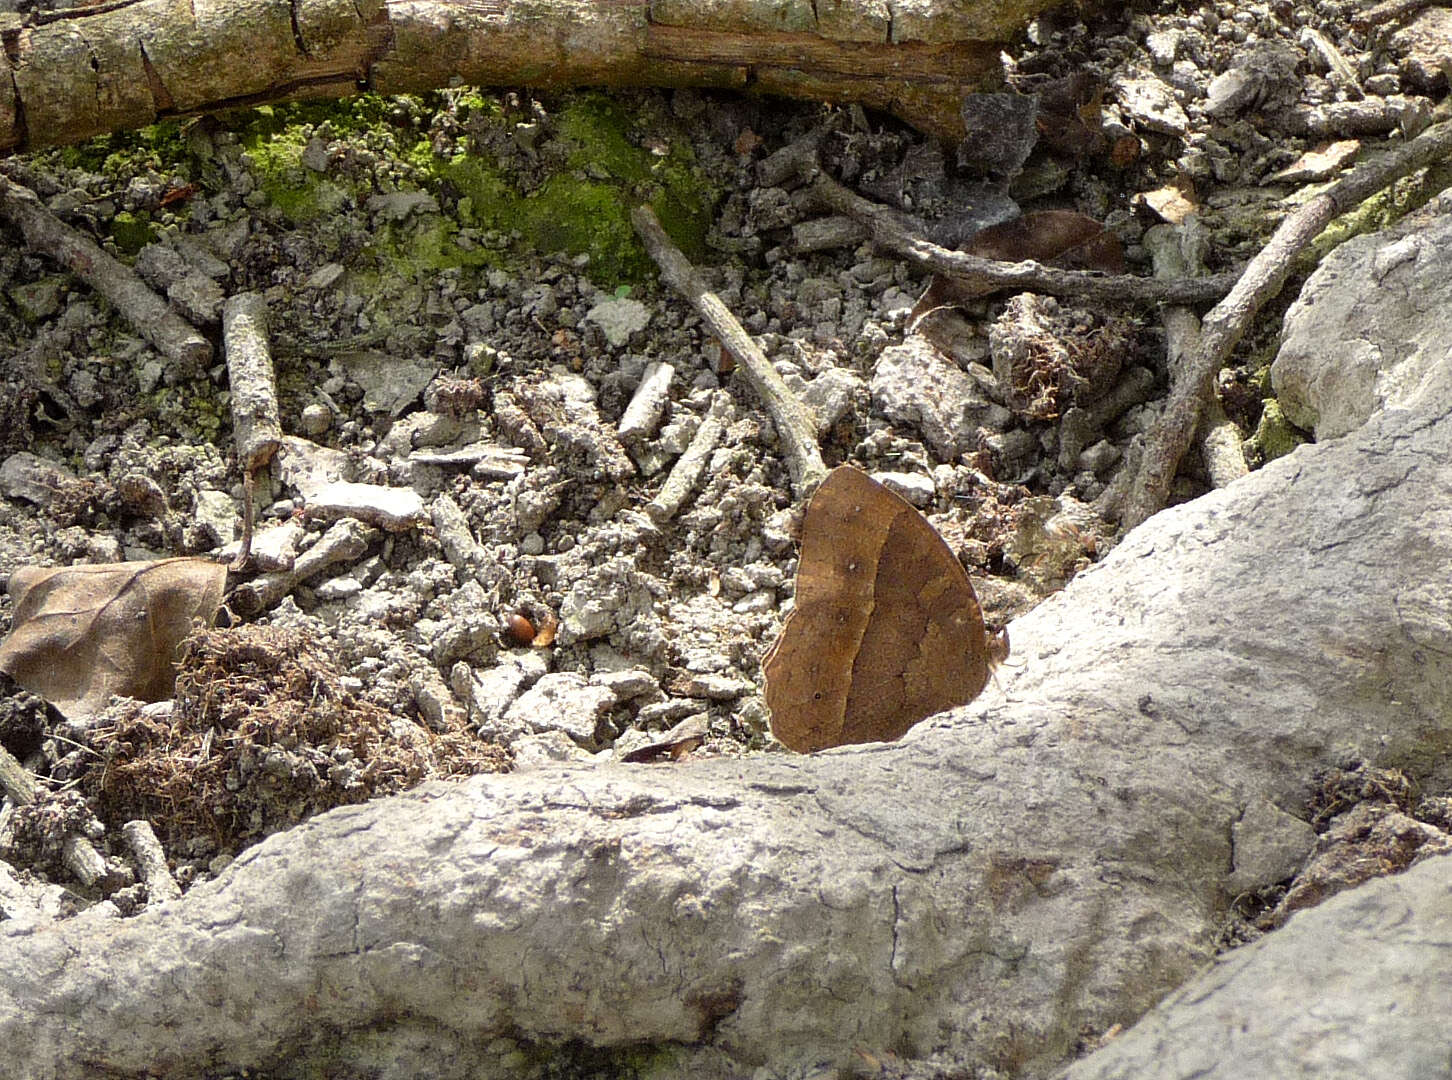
column 263, row 735
column 1048, row 359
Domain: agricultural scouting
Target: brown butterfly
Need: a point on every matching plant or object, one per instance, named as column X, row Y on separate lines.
column 886, row 629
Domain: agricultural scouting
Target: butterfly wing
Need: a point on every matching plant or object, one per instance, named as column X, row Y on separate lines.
column 886, row 628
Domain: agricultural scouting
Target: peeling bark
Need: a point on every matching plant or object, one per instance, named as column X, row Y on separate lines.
column 68, row 75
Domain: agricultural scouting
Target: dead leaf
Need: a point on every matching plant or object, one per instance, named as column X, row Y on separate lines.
column 1069, row 115
column 83, row 633
column 549, row 626
column 678, row 741
column 747, row 142
column 1124, row 151
column 1064, row 239
column 1173, row 203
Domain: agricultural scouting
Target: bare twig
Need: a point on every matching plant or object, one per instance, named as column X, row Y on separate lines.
column 256, row 421
column 1343, row 74
column 1263, row 278
column 15, row 779
column 345, row 541
column 150, row 861
column 249, row 520
column 686, row 473
column 795, row 425
column 1382, row 15
column 797, row 160
column 825, row 233
column 77, row 853
column 889, row 232
column 648, row 404
column 1177, row 252
column 147, row 313
column 1369, row 116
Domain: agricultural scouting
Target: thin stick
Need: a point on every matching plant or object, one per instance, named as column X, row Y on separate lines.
column 147, row 313
column 256, row 419
column 1175, row 251
column 1390, row 11
column 795, row 425
column 78, row 854
column 249, row 517
column 150, row 861
column 1228, row 320
column 345, row 541
column 689, row 466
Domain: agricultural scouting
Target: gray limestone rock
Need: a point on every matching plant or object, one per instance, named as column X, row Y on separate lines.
column 491, row 690
column 1370, row 327
column 619, row 318
column 1269, row 844
column 832, row 395
column 1150, row 102
column 1358, row 987
column 1051, row 859
column 392, row 508
column 25, row 476
column 562, row 701
column 915, row 386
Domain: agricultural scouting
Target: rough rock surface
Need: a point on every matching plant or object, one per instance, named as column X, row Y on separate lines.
column 1050, row 861
column 1380, row 301
column 1289, row 1006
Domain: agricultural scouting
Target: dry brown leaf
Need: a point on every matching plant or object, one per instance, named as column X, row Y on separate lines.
column 83, row 633
column 549, row 626
column 678, row 741
column 1064, row 239
column 1069, row 115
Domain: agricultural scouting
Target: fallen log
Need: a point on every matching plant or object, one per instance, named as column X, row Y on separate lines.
column 70, row 74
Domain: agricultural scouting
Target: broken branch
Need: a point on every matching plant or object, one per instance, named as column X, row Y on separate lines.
column 889, row 232
column 795, row 425
column 147, row 313
column 1228, row 320
column 256, row 420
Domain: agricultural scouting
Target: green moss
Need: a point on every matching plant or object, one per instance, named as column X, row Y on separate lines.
column 486, row 198
column 191, row 409
column 1275, row 436
column 585, row 207
column 1382, row 210
column 568, row 214
column 275, row 136
column 123, row 154
column 301, row 194
column 421, row 248
column 598, row 127
column 356, row 115
column 132, row 232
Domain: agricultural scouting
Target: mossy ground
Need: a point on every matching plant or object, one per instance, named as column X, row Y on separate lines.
column 612, row 156
column 581, row 209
